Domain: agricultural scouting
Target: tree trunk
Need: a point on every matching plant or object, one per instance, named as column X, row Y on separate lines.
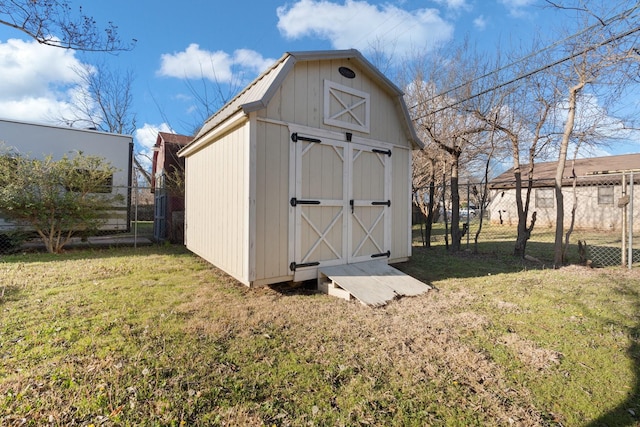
column 430, row 211
column 565, row 248
column 483, row 195
column 522, row 235
column 562, row 158
column 444, row 206
column 456, row 233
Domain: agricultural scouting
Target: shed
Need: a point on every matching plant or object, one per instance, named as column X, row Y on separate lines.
column 309, row 167
column 167, row 184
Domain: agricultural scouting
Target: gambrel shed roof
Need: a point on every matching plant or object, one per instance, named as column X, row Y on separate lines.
column 257, row 95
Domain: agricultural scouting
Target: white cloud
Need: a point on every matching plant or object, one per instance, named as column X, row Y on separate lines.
column 516, row 7
column 146, row 135
column 37, row 81
column 218, row 66
column 454, row 4
column 480, row 22
column 145, row 138
column 604, row 131
column 358, row 24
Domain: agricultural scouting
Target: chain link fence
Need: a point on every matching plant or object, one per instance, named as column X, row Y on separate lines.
column 131, row 223
column 599, row 210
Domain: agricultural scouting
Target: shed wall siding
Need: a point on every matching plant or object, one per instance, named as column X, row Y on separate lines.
column 217, row 203
column 401, row 202
column 300, row 100
column 272, row 201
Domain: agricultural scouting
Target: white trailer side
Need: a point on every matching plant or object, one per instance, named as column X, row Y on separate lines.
column 41, row 140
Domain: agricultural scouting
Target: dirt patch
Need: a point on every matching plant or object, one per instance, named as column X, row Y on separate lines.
column 529, row 353
column 507, row 307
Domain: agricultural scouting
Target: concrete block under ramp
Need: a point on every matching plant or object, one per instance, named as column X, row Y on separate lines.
column 373, row 283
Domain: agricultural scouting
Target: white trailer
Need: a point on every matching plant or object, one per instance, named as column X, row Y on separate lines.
column 41, row 140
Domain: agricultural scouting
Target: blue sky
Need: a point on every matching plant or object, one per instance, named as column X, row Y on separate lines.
column 180, row 43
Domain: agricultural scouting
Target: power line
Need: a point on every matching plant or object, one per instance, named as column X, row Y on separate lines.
column 528, row 74
column 519, row 60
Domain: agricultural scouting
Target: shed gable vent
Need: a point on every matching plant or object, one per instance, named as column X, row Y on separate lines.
column 346, row 107
column 347, row 72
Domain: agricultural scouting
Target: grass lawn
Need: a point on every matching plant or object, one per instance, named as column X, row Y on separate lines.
column 156, row 336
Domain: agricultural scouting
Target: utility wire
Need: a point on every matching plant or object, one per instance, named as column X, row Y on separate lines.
column 529, row 73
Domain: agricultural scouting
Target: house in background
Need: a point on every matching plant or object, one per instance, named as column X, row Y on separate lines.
column 599, row 191
column 38, row 141
column 167, row 179
column 308, row 167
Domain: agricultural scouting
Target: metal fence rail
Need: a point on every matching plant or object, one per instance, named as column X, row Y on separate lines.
column 132, row 224
column 606, row 221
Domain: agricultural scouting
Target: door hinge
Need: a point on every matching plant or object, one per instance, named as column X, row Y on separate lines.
column 387, row 203
column 387, row 152
column 294, row 265
column 295, row 138
column 294, row 202
column 383, row 254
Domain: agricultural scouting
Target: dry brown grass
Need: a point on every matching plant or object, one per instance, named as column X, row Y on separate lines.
column 413, row 340
column 174, row 340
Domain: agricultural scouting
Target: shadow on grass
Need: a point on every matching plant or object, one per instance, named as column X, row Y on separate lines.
column 436, row 263
column 100, row 251
column 433, row 264
column 495, row 257
column 9, row 293
column 628, row 412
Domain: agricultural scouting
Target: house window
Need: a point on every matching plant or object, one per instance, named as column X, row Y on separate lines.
column 605, row 195
column 544, row 198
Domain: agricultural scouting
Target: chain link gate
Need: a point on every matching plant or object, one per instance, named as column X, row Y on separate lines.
column 601, row 205
column 626, row 251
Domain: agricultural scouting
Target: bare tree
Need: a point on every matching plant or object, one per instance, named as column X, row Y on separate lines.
column 600, row 60
column 105, row 99
column 211, row 94
column 54, row 23
column 105, row 102
column 521, row 112
column 427, row 187
column 451, row 129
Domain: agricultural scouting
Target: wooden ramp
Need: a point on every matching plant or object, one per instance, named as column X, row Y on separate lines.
column 373, row 283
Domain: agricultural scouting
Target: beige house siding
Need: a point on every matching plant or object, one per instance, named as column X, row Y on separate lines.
column 217, row 203
column 589, row 214
column 300, row 100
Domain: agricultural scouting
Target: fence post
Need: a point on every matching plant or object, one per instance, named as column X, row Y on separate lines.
column 624, row 209
column 630, row 221
column 135, row 215
column 468, row 215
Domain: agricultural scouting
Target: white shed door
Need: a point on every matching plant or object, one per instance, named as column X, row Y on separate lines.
column 341, row 204
column 370, row 203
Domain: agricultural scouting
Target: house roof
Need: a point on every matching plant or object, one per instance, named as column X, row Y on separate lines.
column 257, row 95
column 171, row 143
column 591, row 170
column 173, row 138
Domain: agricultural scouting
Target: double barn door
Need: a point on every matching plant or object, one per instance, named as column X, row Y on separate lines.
column 342, row 203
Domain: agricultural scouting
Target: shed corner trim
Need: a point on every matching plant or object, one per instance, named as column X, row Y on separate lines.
column 205, row 139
